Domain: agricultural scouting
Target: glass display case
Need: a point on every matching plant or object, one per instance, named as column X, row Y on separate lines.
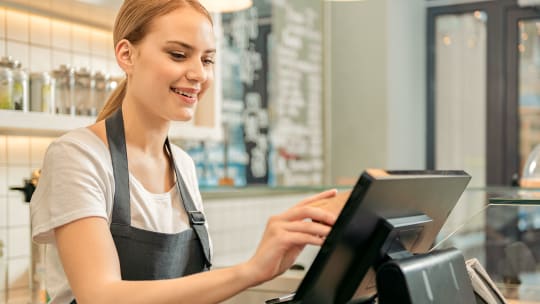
column 501, row 228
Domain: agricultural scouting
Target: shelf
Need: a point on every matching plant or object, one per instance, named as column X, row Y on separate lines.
column 42, row 124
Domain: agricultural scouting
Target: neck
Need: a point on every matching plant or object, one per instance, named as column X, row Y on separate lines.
column 143, row 131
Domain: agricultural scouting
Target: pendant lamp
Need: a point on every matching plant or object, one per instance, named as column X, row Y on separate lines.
column 226, row 6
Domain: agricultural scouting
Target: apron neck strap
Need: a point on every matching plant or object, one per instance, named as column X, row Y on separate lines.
column 114, row 127
column 121, row 213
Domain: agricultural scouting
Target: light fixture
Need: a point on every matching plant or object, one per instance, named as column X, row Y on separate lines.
column 226, row 6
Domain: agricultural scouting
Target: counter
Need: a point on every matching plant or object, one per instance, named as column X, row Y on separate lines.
column 503, row 234
column 501, row 228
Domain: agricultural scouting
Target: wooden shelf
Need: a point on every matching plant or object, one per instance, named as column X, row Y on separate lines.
column 42, row 124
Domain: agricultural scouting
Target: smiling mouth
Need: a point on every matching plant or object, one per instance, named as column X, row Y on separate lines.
column 185, row 94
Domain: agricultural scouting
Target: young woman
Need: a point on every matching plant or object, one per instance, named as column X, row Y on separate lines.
column 139, row 236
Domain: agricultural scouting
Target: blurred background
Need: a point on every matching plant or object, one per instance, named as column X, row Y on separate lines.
column 307, row 94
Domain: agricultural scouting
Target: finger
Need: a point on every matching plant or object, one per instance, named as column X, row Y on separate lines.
column 339, row 197
column 308, row 212
column 302, row 239
column 315, row 229
column 318, row 196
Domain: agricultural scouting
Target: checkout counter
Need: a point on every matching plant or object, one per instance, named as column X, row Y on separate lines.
column 501, row 228
column 498, row 226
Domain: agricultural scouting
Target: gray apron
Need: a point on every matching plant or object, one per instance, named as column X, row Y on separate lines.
column 148, row 255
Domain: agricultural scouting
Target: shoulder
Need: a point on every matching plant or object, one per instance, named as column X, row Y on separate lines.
column 77, row 143
column 78, row 153
column 76, row 181
column 82, row 137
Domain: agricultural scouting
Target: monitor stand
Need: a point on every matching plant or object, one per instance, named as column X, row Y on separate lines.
column 436, row 277
column 406, row 278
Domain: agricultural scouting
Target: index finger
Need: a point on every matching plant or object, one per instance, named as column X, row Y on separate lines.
column 308, row 212
column 333, row 204
column 319, row 196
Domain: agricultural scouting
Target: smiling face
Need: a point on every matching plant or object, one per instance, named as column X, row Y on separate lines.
column 171, row 68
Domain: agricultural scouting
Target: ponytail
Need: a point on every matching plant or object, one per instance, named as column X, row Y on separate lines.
column 114, row 102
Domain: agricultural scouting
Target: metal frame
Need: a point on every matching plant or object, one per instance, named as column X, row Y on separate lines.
column 512, row 68
column 501, row 126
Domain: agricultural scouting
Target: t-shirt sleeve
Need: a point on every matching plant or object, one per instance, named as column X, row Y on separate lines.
column 72, row 185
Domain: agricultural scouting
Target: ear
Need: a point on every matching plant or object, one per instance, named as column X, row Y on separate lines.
column 124, row 55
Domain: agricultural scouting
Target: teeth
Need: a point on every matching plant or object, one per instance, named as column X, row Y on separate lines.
column 190, row 95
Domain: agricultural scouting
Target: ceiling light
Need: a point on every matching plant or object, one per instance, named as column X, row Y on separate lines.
column 226, row 6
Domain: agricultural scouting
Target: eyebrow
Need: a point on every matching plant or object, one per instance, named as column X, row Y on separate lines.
column 189, row 47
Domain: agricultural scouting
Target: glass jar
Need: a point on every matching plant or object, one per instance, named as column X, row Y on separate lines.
column 100, row 92
column 20, row 87
column 6, row 89
column 42, row 89
column 20, row 83
column 84, row 91
column 64, row 90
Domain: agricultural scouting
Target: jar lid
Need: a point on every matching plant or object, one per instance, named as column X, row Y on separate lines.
column 44, row 75
column 64, row 69
column 83, row 72
column 99, row 75
column 7, row 61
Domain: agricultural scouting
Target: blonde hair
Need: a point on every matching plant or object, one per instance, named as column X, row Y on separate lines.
column 132, row 23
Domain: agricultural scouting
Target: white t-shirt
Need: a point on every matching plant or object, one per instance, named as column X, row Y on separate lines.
column 77, row 181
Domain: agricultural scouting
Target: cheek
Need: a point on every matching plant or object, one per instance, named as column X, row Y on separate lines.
column 207, row 84
column 209, row 79
column 158, row 75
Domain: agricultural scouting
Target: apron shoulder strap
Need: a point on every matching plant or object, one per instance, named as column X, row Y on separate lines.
column 196, row 218
column 114, row 127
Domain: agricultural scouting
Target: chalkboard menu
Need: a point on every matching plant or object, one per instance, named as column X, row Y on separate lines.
column 296, row 102
column 272, row 98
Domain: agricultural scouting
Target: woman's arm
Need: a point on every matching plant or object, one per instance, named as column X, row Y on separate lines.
column 91, row 263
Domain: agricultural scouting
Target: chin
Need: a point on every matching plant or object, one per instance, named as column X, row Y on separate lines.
column 185, row 117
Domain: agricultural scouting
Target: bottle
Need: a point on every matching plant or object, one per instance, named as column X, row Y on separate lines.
column 100, row 92
column 6, row 89
column 42, row 89
column 84, row 91
column 20, row 87
column 65, row 90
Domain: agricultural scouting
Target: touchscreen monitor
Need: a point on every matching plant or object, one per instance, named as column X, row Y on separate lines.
column 416, row 203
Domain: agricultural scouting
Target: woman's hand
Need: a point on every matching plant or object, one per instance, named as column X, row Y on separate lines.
column 333, row 204
column 288, row 233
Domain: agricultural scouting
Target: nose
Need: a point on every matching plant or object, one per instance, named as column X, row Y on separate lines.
column 197, row 72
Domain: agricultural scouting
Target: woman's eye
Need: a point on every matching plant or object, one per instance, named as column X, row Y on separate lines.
column 177, row 56
column 208, row 61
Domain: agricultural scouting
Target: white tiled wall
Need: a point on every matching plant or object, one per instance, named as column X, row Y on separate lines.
column 236, row 225
column 40, row 43
column 19, row 155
